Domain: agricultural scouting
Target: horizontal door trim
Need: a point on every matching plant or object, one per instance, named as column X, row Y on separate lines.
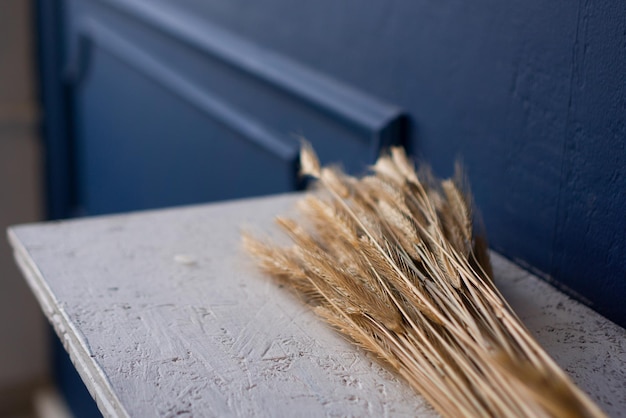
column 91, row 31
column 378, row 123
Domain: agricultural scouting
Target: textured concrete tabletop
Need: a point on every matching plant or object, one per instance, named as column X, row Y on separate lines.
column 163, row 315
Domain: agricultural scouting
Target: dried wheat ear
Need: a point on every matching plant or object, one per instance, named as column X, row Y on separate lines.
column 391, row 260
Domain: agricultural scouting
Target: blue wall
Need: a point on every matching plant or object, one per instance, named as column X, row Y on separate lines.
column 530, row 94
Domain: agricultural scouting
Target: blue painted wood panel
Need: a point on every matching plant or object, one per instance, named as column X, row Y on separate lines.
column 141, row 147
column 169, row 111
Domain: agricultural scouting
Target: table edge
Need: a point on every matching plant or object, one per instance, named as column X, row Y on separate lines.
column 73, row 341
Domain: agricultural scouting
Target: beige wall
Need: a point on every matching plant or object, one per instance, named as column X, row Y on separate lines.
column 23, row 334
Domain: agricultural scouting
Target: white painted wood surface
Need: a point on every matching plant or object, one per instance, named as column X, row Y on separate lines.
column 163, row 315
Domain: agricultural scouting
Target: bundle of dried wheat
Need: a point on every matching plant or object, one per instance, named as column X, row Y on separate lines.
column 391, row 260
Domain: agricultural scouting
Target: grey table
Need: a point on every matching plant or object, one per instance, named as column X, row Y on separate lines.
column 164, row 315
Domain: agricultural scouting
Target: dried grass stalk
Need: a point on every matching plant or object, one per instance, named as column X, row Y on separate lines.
column 391, row 260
